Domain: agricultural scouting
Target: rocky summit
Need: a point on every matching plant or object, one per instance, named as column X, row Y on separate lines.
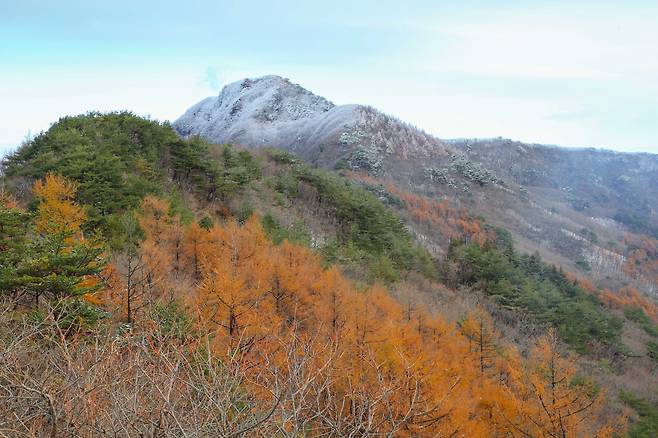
column 272, row 111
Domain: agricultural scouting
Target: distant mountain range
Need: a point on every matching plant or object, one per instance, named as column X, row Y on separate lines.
column 572, row 205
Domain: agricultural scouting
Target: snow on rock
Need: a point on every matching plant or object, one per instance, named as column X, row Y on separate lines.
column 267, row 111
column 272, row 111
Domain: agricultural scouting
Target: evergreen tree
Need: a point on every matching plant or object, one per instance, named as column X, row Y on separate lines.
column 13, row 232
column 50, row 258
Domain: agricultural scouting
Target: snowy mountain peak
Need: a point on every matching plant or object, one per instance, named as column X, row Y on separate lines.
column 245, row 104
column 272, row 111
column 273, row 98
column 267, row 111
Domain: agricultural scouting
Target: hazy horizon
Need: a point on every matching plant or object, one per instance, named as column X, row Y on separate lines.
column 582, row 75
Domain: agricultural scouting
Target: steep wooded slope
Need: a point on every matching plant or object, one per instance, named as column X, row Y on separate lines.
column 573, row 206
column 197, row 244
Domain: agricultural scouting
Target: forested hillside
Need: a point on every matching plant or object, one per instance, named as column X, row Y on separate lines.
column 159, row 286
column 587, row 210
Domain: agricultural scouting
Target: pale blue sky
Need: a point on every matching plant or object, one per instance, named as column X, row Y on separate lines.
column 573, row 73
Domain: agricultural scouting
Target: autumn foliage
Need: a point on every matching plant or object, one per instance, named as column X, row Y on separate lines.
column 439, row 216
column 630, row 297
column 336, row 359
column 257, row 339
column 46, row 254
column 57, row 211
column 642, row 260
column 127, row 314
column 625, row 297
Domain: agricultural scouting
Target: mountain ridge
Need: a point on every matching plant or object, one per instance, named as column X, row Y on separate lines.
column 220, row 223
column 274, row 83
column 273, row 111
column 545, row 194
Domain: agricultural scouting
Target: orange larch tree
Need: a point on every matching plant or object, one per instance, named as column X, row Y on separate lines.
column 558, row 401
column 57, row 212
column 335, row 358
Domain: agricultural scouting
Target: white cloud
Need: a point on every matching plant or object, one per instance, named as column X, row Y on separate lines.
column 548, row 43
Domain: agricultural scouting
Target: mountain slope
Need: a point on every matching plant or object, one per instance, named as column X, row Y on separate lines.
column 213, row 281
column 272, row 111
column 573, row 206
column 602, row 183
